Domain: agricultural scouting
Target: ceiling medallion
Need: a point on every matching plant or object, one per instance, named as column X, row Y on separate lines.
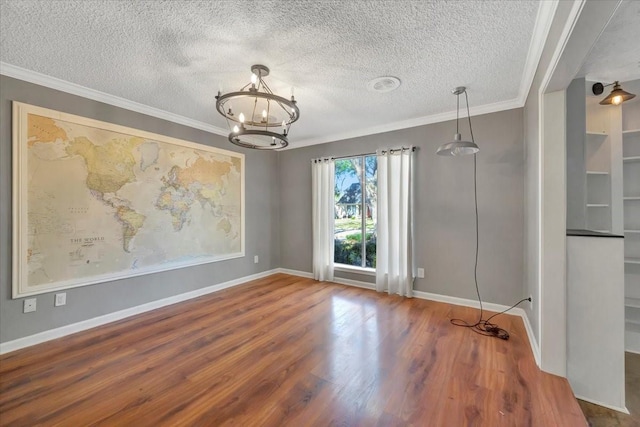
column 257, row 117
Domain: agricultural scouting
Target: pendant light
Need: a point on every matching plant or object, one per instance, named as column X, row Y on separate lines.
column 617, row 95
column 458, row 147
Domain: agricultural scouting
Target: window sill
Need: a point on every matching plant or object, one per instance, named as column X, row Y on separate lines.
column 353, row 269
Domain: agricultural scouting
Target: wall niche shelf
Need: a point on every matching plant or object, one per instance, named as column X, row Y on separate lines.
column 631, row 198
column 632, row 260
column 596, row 133
column 632, row 302
column 597, row 205
column 597, row 173
column 631, row 132
column 631, row 231
column 631, row 159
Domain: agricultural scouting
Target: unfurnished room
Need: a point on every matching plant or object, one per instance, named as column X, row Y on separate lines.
column 320, row 213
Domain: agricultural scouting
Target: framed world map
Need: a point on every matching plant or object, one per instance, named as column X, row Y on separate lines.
column 95, row 202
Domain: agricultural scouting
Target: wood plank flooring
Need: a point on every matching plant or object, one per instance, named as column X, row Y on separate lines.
column 286, row 351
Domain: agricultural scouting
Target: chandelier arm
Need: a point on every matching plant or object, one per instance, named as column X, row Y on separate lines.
column 266, row 125
column 457, row 112
column 267, row 88
column 469, row 116
column 253, row 113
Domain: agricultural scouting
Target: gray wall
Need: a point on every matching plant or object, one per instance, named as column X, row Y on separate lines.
column 444, row 211
column 576, row 170
column 262, row 211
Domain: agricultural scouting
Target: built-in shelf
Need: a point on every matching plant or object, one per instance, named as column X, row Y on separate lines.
column 632, row 326
column 632, row 198
column 632, row 302
column 597, row 205
column 597, row 173
column 632, row 260
column 631, row 159
column 631, row 231
column 630, row 131
column 603, row 231
column 594, row 133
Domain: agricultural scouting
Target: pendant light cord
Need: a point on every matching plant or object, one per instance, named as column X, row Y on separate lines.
column 482, row 326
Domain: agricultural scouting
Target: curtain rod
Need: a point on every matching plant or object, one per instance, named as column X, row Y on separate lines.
column 393, row 150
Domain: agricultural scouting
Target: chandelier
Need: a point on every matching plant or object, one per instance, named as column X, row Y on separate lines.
column 256, row 116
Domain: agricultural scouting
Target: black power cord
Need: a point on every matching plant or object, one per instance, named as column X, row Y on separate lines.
column 482, row 326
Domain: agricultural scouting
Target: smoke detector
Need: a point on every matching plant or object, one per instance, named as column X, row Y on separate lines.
column 383, row 84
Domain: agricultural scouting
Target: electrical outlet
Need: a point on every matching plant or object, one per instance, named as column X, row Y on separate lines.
column 29, row 305
column 421, row 273
column 60, row 299
column 256, row 259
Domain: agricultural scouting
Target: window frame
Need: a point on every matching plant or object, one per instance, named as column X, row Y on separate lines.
column 361, row 269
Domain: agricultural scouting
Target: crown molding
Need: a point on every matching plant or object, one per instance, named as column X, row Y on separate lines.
column 34, row 77
column 544, row 18
column 405, row 124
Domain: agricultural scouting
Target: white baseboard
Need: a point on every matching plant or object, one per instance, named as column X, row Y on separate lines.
column 356, row 283
column 132, row 311
column 446, row 299
column 62, row 331
column 623, row 409
column 294, row 272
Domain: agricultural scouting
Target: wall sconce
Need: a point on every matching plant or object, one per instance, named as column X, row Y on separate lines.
column 617, row 95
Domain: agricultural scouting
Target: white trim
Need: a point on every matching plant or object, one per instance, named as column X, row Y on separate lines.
column 294, row 272
column 535, row 348
column 73, row 328
column 595, row 402
column 445, row 299
column 544, row 19
column 516, row 311
column 16, row 72
column 356, row 283
column 569, row 25
column 405, row 124
column 562, row 41
column 355, row 270
column 20, row 73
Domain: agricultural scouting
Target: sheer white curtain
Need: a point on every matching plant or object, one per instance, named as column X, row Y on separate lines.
column 394, row 228
column 322, row 171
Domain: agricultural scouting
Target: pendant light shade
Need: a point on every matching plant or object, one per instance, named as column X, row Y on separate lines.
column 458, row 147
column 617, row 95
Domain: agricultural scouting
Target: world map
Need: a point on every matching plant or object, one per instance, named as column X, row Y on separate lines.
column 104, row 204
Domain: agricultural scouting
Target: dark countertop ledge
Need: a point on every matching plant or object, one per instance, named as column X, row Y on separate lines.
column 590, row 233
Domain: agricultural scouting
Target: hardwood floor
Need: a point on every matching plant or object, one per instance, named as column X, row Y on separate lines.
column 598, row 416
column 286, row 351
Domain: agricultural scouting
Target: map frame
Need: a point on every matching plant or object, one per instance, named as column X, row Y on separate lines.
column 20, row 187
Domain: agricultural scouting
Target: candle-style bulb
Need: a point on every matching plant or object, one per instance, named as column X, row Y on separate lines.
column 284, row 124
column 241, row 117
column 264, row 114
column 236, row 129
column 254, row 78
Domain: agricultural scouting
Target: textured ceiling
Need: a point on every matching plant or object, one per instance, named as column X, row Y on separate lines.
column 616, row 54
column 174, row 56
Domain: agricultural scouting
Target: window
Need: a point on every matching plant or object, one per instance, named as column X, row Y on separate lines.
column 356, row 190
